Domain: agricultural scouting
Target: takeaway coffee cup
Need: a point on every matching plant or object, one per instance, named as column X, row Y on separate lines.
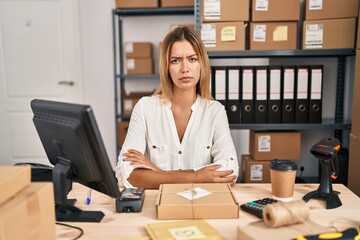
column 282, row 175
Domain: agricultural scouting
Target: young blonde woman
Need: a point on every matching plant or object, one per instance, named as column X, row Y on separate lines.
column 179, row 134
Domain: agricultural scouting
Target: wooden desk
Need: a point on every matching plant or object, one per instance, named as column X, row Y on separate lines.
column 126, row 225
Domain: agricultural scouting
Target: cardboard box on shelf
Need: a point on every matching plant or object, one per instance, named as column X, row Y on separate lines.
column 138, row 50
column 223, row 36
column 30, row 214
column 354, row 164
column 269, row 145
column 129, row 100
column 13, row 179
column 273, row 36
column 197, row 201
column 254, row 171
column 329, row 34
column 274, row 10
column 140, row 65
column 122, row 128
column 177, row 3
column 331, row 9
column 137, row 3
column 225, row 10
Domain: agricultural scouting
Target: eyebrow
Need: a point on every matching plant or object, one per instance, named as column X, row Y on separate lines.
column 192, row 55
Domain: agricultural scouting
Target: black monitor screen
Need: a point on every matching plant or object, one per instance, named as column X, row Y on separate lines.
column 73, row 144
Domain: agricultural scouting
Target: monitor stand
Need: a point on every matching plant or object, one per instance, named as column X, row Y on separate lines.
column 64, row 208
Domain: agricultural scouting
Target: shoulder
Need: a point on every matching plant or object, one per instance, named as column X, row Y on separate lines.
column 212, row 105
column 150, row 102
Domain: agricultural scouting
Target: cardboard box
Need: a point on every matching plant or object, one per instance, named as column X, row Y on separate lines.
column 354, row 164
column 275, row 10
column 221, row 203
column 138, row 50
column 331, row 9
column 225, row 10
column 131, row 99
column 137, row 3
column 273, row 36
column 177, row 3
column 358, row 35
column 355, row 123
column 13, row 179
column 140, row 66
column 254, row 171
column 329, row 34
column 269, row 145
column 30, row 214
column 122, row 131
column 223, row 36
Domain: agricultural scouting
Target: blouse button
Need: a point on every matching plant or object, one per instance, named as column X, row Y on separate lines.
column 231, row 158
column 180, row 152
column 208, row 147
column 153, row 146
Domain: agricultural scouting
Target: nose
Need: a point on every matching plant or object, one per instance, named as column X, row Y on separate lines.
column 184, row 67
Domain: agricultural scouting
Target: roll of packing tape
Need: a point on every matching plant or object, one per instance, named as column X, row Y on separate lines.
column 282, row 214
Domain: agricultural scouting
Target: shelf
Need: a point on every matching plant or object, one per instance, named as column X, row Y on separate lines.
column 327, row 124
column 154, row 11
column 142, row 76
column 282, row 53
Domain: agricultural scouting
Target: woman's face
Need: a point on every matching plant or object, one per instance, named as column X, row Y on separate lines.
column 184, row 66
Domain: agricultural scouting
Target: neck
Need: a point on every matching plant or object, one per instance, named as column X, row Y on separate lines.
column 184, row 99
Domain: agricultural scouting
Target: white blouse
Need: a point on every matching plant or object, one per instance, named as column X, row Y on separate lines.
column 152, row 131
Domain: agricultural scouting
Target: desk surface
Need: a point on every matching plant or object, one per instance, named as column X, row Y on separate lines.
column 127, row 225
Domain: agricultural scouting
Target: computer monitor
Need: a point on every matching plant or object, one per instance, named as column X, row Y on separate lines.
column 73, row 144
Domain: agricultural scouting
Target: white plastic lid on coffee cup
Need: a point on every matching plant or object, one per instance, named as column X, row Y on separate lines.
column 282, row 165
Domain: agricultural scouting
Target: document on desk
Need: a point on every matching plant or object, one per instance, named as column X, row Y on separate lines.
column 182, row 230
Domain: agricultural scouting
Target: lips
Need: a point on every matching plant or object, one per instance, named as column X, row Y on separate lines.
column 185, row 78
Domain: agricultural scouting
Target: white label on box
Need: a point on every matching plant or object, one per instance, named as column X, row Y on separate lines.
column 194, row 193
column 208, row 35
column 264, row 143
column 314, row 35
column 129, row 47
column 315, row 4
column 130, row 63
column 256, row 172
column 184, row 233
column 259, row 33
column 212, row 10
column 128, row 106
column 261, row 5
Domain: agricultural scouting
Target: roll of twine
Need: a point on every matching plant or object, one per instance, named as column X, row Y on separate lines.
column 285, row 213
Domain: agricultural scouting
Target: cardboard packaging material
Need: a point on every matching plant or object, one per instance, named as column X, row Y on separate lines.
column 131, row 99
column 140, row 66
column 30, row 214
column 329, row 34
column 254, row 171
column 177, row 3
column 355, row 123
column 221, row 203
column 13, row 179
column 223, row 36
column 358, row 35
column 354, row 164
column 137, row 3
column 225, row 10
column 269, row 145
column 274, row 10
column 138, row 50
column 122, row 128
column 273, row 36
column 331, row 9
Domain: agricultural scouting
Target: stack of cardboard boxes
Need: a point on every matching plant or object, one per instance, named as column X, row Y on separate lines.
column 26, row 209
column 153, row 3
column 265, row 146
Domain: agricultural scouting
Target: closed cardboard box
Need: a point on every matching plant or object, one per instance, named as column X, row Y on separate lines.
column 30, row 214
column 329, row 34
column 355, row 123
column 13, row 179
column 196, row 201
column 138, row 50
column 225, row 10
column 273, row 36
column 223, row 36
column 330, row 9
column 122, row 128
column 137, row 3
column 354, row 164
column 275, row 10
column 129, row 100
column 254, row 171
column 177, row 3
column 269, row 145
column 140, row 66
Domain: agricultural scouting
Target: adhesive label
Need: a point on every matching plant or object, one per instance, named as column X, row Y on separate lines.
column 212, row 10
column 259, row 33
column 208, row 35
column 315, row 4
column 129, row 47
column 256, row 172
column 261, row 5
column 314, row 36
column 264, row 143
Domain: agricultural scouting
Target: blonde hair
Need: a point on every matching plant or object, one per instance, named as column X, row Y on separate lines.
column 166, row 84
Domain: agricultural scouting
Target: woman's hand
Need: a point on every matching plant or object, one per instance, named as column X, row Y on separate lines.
column 137, row 158
column 210, row 174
